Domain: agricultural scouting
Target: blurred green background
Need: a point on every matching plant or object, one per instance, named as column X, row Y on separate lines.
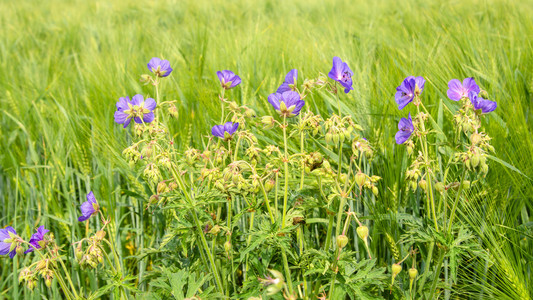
column 64, row 64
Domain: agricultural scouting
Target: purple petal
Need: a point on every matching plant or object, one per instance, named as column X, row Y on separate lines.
column 274, row 100
column 137, row 99
column 218, row 130
column 235, row 81
column 91, row 198
column 127, row 122
column 153, row 63
column 469, row 84
column 454, row 90
column 336, row 69
column 149, row 117
column 402, row 136
column 487, row 106
column 420, row 82
column 298, row 107
column 122, row 103
column 150, row 104
column 291, row 77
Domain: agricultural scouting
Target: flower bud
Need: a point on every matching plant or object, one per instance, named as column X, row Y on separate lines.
column 439, row 187
column 375, row 190
column 423, row 185
column 30, row 284
column 396, row 269
column 145, row 78
column 153, row 199
column 215, row 230
column 20, row 250
column 328, row 138
column 343, row 178
column 268, row 122
column 249, row 113
column 100, row 235
column 412, row 185
column 475, row 160
column 413, row 273
column 360, row 179
column 173, row 111
column 227, row 246
column 483, row 94
column 48, row 282
column 269, row 185
column 335, row 138
column 342, row 240
column 162, row 187
column 362, row 232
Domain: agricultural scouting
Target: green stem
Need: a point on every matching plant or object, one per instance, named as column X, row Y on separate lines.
column 286, row 167
column 222, row 103
column 285, row 198
column 63, row 285
column 429, row 193
column 302, row 143
column 426, row 270
column 456, row 201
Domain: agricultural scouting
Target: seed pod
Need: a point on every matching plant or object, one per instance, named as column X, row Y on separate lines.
column 269, row 185
column 342, row 240
column 48, row 282
column 396, row 269
column 475, row 160
column 227, row 246
column 375, row 190
column 162, row 187
column 328, row 138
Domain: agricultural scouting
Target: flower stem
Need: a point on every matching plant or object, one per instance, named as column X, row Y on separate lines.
column 285, row 198
column 222, row 103
column 455, row 202
column 429, row 193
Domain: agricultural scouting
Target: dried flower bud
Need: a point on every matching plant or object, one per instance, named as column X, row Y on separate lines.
column 173, row 111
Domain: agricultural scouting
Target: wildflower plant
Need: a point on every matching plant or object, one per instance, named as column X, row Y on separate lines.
column 281, row 204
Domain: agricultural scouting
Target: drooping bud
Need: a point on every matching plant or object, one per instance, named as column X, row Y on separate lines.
column 360, row 179
column 412, row 276
column 268, row 122
column 396, row 269
column 439, row 187
column 162, row 187
column 423, row 185
column 342, row 240
column 269, row 185
column 375, row 190
column 362, row 232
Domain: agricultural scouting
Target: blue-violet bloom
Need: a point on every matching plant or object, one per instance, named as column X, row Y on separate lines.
column 225, row 131
column 290, row 82
column 88, row 208
column 486, row 106
column 37, row 239
column 137, row 108
column 160, row 67
column 287, row 104
column 457, row 91
column 405, row 129
column 8, row 241
column 410, row 88
column 341, row 73
column 228, row 79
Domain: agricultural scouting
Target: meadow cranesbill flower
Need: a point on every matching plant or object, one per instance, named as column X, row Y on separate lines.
column 225, row 131
column 8, row 241
column 228, row 79
column 405, row 129
column 137, row 108
column 341, row 73
column 160, row 67
column 37, row 239
column 287, row 104
column 289, row 83
column 410, row 88
column 89, row 207
column 486, row 106
column 457, row 91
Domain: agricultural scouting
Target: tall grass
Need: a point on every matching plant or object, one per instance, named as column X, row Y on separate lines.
column 64, row 64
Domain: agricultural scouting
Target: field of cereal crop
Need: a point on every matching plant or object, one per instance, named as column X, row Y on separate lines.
column 325, row 189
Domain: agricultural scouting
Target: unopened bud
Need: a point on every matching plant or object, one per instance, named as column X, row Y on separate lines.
column 227, row 246
column 412, row 273
column 162, row 187
column 362, row 232
column 423, row 185
column 396, row 269
column 100, row 235
column 360, row 179
column 439, row 187
column 48, row 282
column 20, row 250
column 269, row 185
column 375, row 190
column 342, row 240
column 475, row 160
column 268, row 122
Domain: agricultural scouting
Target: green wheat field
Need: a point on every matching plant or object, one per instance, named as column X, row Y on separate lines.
column 64, row 65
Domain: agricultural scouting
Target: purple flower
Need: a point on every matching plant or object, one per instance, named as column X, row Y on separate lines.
column 287, row 104
column 37, row 239
column 478, row 102
column 408, row 89
column 405, row 129
column 8, row 237
column 225, row 131
column 88, row 208
column 160, row 67
column 228, row 79
column 289, row 83
column 136, row 108
column 341, row 73
column 457, row 91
